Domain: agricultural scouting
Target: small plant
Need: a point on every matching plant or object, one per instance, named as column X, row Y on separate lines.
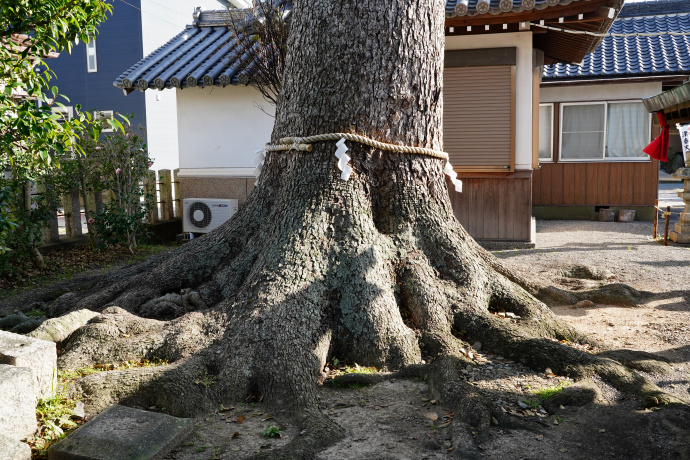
column 54, row 420
column 272, row 432
column 206, row 380
column 36, row 312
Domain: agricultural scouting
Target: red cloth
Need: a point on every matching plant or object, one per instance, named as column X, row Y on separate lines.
column 659, row 147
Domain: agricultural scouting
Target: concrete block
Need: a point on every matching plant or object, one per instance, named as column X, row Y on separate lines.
column 11, row 449
column 38, row 355
column 123, row 433
column 17, row 403
column 59, row 329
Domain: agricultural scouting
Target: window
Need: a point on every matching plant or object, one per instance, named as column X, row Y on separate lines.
column 91, row 63
column 66, row 111
column 102, row 116
column 597, row 131
column 545, row 132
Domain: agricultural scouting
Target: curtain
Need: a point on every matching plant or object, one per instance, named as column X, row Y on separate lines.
column 628, row 130
column 583, row 132
column 545, row 123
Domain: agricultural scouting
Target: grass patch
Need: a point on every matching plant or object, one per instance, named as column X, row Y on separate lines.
column 542, row 394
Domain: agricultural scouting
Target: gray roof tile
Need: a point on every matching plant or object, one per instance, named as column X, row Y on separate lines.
column 634, row 56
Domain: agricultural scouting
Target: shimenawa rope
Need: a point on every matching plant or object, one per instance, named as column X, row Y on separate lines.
column 303, row 144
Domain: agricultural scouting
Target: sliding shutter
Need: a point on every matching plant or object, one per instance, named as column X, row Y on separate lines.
column 479, row 117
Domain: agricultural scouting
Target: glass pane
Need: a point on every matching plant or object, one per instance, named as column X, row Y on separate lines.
column 628, row 130
column 582, row 135
column 92, row 62
column 545, row 123
column 581, row 146
column 582, row 118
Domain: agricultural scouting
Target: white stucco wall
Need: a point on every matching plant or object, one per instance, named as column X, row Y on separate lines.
column 161, row 21
column 523, row 83
column 599, row 92
column 219, row 129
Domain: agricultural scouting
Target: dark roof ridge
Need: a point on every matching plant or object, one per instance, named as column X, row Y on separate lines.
column 654, row 8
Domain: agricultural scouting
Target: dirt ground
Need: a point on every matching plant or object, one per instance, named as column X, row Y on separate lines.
column 398, row 420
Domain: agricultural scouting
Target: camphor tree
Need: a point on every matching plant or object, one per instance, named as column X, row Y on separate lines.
column 375, row 270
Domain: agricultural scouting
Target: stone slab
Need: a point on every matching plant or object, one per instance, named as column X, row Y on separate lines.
column 680, row 238
column 17, row 402
column 38, row 355
column 59, row 329
column 11, row 449
column 123, row 433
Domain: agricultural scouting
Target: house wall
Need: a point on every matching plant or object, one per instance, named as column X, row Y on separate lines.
column 161, row 21
column 600, row 183
column 495, row 208
column 220, row 162
column 118, row 45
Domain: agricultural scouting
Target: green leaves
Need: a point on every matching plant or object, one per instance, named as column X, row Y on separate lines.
column 31, row 31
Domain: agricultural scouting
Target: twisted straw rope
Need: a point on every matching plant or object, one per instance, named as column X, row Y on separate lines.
column 302, row 144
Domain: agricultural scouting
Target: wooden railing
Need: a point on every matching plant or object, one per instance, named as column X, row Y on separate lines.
column 166, row 205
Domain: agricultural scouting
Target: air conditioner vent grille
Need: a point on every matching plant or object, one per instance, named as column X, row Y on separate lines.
column 199, row 214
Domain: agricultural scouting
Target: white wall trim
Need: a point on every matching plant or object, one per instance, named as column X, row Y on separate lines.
column 216, row 172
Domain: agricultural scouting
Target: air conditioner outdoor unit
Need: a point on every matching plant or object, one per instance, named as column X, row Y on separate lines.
column 201, row 215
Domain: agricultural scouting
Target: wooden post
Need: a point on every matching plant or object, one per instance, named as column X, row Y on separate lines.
column 176, row 194
column 668, row 214
column 656, row 217
column 67, row 214
column 152, row 200
column 50, row 233
column 91, row 198
column 166, row 196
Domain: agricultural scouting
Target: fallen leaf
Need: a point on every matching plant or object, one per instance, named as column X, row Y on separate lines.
column 539, row 437
column 236, row 435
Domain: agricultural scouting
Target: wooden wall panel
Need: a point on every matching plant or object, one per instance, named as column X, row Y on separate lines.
column 596, row 184
column 495, row 207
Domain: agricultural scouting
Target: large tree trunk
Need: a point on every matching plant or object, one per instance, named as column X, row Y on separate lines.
column 374, row 270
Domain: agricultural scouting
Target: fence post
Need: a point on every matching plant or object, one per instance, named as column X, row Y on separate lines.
column 176, row 194
column 51, row 232
column 68, row 210
column 656, row 217
column 151, row 196
column 668, row 214
column 165, row 187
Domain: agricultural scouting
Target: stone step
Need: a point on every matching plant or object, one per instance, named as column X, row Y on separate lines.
column 13, row 450
column 123, row 433
column 38, row 355
column 17, row 402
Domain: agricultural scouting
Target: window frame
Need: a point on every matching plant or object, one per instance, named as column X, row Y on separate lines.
column 91, row 44
column 550, row 159
column 604, row 158
column 102, row 115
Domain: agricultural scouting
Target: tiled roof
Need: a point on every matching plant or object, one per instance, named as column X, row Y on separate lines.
column 459, row 8
column 204, row 54
column 620, row 57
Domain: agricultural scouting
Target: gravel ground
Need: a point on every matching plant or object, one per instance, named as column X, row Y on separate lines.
column 626, row 249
